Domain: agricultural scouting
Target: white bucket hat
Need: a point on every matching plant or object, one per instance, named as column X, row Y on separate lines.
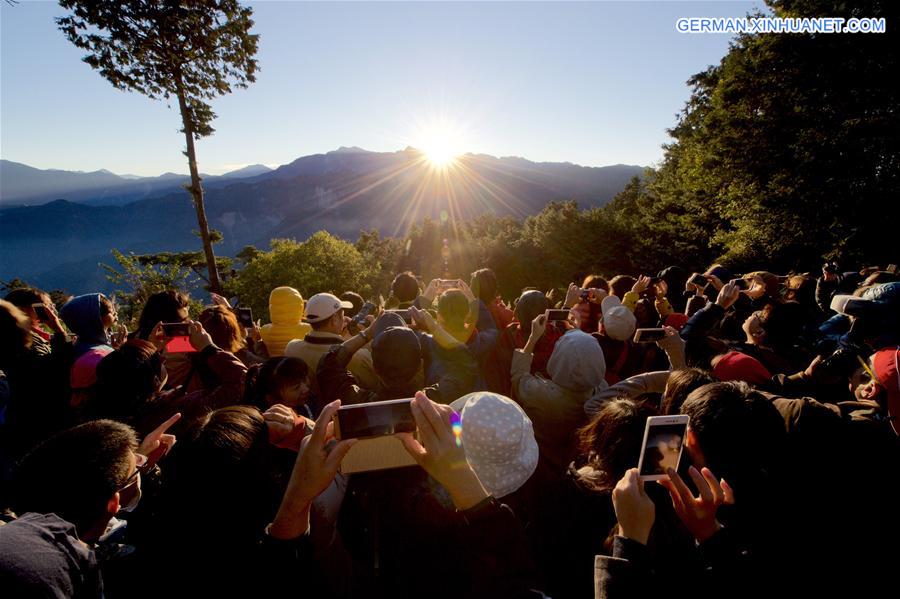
column 618, row 321
column 498, row 439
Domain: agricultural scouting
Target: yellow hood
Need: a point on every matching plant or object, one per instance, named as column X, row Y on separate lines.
column 286, row 309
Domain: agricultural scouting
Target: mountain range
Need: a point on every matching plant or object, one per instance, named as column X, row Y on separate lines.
column 72, row 220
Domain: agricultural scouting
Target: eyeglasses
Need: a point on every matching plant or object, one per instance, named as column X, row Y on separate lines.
column 140, row 467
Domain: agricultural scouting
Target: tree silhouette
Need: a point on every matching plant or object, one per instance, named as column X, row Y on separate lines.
column 193, row 51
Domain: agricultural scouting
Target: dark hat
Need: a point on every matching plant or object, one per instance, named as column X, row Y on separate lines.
column 396, row 354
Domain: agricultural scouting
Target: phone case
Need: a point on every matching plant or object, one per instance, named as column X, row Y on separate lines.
column 180, row 345
column 376, row 453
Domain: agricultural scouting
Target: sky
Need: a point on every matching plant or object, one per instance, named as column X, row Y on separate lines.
column 593, row 83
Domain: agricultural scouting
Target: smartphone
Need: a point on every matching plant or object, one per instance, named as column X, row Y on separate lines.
column 179, row 337
column 406, row 315
column 366, row 310
column 374, row 419
column 445, row 284
column 557, row 315
column 585, row 294
column 648, row 335
column 245, row 317
column 742, row 284
column 663, row 442
column 41, row 311
column 698, row 280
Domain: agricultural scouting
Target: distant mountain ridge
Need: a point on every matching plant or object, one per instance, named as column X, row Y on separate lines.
column 21, row 184
column 60, row 243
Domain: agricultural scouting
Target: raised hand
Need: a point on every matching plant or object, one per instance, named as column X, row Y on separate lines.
column 728, row 294
column 437, row 451
column 698, row 513
column 641, row 284
column 158, row 443
column 635, row 511
column 315, row 468
column 199, row 338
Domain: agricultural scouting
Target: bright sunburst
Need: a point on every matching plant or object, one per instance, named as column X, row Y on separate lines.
column 441, row 141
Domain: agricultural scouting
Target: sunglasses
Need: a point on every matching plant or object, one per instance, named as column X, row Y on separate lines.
column 140, row 467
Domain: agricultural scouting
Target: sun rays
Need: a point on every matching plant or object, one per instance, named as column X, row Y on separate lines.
column 434, row 177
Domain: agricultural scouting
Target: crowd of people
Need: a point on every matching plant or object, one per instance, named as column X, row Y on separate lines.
column 194, row 455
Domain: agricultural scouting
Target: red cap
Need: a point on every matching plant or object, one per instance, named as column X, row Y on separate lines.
column 885, row 363
column 735, row 366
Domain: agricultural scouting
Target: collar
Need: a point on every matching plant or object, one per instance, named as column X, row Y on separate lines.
column 322, row 338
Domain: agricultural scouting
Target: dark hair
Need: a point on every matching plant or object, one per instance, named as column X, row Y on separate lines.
column 738, row 430
column 161, row 307
column 224, row 328
column 529, row 305
column 224, row 464
column 127, row 380
column 23, row 297
column 15, row 332
column 611, row 442
column 619, row 285
column 484, row 285
column 405, row 287
column 453, row 307
column 595, row 282
column 783, row 323
column 269, row 377
column 355, row 299
column 75, row 473
column 645, row 313
column 680, row 384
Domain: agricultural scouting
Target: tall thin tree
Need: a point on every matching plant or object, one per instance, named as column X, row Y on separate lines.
column 192, row 50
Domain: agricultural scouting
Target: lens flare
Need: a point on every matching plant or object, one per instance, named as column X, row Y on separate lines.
column 456, row 425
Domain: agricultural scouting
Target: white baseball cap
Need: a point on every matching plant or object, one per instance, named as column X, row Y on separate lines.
column 322, row 306
column 499, row 441
column 618, row 321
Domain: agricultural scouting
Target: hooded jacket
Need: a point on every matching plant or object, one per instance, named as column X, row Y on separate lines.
column 286, row 309
column 556, row 406
column 83, row 317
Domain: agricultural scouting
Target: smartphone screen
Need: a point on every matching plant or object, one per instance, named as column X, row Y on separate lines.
column 648, row 335
column 367, row 309
column 41, row 311
column 663, row 442
column 557, row 314
column 245, row 317
column 375, row 419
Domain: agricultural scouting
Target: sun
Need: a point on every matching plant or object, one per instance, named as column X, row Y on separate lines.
column 439, row 153
column 441, row 142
